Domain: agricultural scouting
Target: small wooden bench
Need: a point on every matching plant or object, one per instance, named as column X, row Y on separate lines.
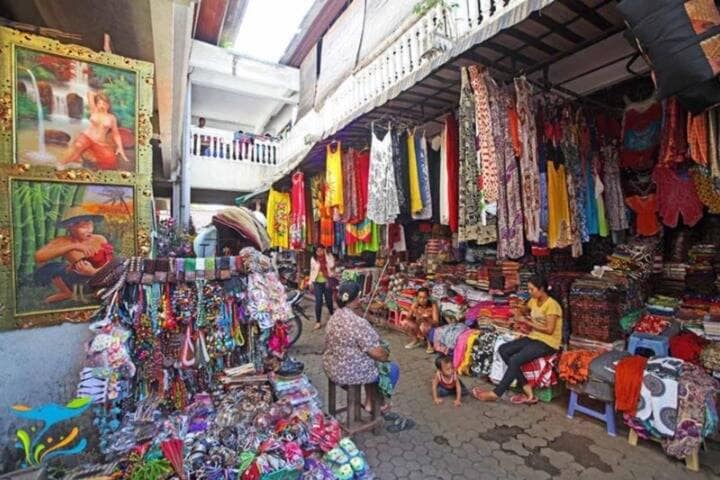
column 353, row 410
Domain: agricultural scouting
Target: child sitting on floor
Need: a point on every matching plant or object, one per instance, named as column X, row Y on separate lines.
column 446, row 381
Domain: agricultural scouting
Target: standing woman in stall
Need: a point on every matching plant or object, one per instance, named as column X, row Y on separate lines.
column 322, row 277
column 543, row 315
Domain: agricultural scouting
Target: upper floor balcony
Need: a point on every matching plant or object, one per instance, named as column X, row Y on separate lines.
column 221, row 160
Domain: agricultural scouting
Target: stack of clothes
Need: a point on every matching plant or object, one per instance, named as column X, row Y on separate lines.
column 591, row 372
column 701, row 277
column 595, row 309
column 560, row 284
column 672, row 279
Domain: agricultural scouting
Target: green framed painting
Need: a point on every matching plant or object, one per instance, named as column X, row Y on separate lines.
column 75, row 173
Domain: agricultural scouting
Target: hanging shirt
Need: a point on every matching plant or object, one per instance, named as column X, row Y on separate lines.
column 641, row 135
column 559, row 230
column 334, row 177
column 645, row 208
column 677, row 196
column 278, row 215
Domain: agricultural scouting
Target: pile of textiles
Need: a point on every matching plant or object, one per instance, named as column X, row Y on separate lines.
column 687, row 346
column 600, row 383
column 498, row 366
column 482, row 352
column 462, row 353
column 541, row 372
column 595, row 309
column 672, row 279
column 710, row 356
column 662, row 305
column 556, row 261
column 651, row 324
column 580, row 343
column 242, row 221
column 575, row 365
column 445, row 337
column 697, row 311
column 677, row 403
column 701, row 276
column 711, row 328
column 489, row 312
column 560, row 284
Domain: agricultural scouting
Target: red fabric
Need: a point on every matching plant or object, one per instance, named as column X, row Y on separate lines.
column 540, row 373
column 677, row 195
column 322, row 260
column 105, row 157
column 673, row 143
column 362, row 172
column 652, row 324
column 687, row 346
column 453, row 165
column 645, row 209
column 628, row 380
column 641, row 124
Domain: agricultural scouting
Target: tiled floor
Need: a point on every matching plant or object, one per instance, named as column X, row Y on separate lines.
column 500, row 440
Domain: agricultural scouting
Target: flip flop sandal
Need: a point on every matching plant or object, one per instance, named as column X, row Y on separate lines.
column 391, row 416
column 400, row 425
column 521, row 399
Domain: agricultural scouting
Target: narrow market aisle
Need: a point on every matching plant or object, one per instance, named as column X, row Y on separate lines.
column 494, row 441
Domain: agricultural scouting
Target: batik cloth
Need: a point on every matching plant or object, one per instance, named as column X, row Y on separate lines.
column 471, row 206
column 677, row 196
column 278, row 219
column 486, row 154
column 528, row 159
column 696, row 411
column 614, row 200
column 573, row 177
column 511, row 242
column 482, row 354
column 659, row 394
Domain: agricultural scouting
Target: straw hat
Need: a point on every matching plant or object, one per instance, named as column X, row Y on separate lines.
column 78, row 214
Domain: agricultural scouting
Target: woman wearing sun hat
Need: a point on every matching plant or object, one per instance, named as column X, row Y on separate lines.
column 80, row 252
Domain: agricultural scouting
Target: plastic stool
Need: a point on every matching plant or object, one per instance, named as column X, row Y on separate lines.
column 608, row 416
column 660, row 345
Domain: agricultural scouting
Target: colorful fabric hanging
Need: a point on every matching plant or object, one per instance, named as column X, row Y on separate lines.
column 401, row 168
column 677, row 196
column 641, row 135
column 708, row 193
column 559, row 228
column 486, row 155
column 673, row 142
column 362, row 171
column 278, row 216
column 452, row 158
column 511, row 242
column 645, row 208
column 697, row 128
column 416, row 201
column 383, row 207
column 444, row 204
column 614, row 200
column 423, row 170
column 528, row 159
column 317, row 191
column 471, row 207
column 350, row 192
column 334, row 177
column 298, row 236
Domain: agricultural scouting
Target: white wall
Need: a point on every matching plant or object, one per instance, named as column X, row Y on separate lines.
column 230, row 175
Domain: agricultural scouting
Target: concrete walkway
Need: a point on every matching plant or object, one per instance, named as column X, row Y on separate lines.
column 496, row 441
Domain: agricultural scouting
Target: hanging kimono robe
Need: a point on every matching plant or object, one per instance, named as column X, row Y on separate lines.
column 278, row 219
column 298, row 221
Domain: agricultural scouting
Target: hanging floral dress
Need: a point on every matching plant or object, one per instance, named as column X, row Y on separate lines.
column 334, row 177
column 278, row 219
column 383, row 207
column 486, row 156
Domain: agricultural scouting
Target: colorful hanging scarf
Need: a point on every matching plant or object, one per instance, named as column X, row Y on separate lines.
column 298, row 224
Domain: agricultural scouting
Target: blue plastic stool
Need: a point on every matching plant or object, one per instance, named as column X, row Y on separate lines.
column 660, row 345
column 608, row 416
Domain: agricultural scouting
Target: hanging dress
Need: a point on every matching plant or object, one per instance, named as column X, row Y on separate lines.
column 559, row 227
column 278, row 219
column 416, row 201
column 471, row 207
column 383, row 205
column 401, row 172
column 511, row 241
column 452, row 157
column 677, row 196
column 362, row 172
column 486, row 155
column 444, row 203
column 673, row 141
column 528, row 159
column 641, row 127
column 645, row 208
column 334, row 177
column 349, row 187
column 423, row 170
column 575, row 190
column 298, row 221
column 614, row 199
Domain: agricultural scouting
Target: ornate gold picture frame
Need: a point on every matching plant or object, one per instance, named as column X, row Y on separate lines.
column 75, row 173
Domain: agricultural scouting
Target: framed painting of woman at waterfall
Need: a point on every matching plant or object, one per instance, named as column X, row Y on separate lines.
column 71, row 120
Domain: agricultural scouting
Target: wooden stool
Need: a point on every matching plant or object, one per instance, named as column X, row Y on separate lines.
column 692, row 462
column 354, row 407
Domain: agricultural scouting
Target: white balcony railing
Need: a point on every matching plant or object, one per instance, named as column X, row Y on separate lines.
column 435, row 33
column 222, row 144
